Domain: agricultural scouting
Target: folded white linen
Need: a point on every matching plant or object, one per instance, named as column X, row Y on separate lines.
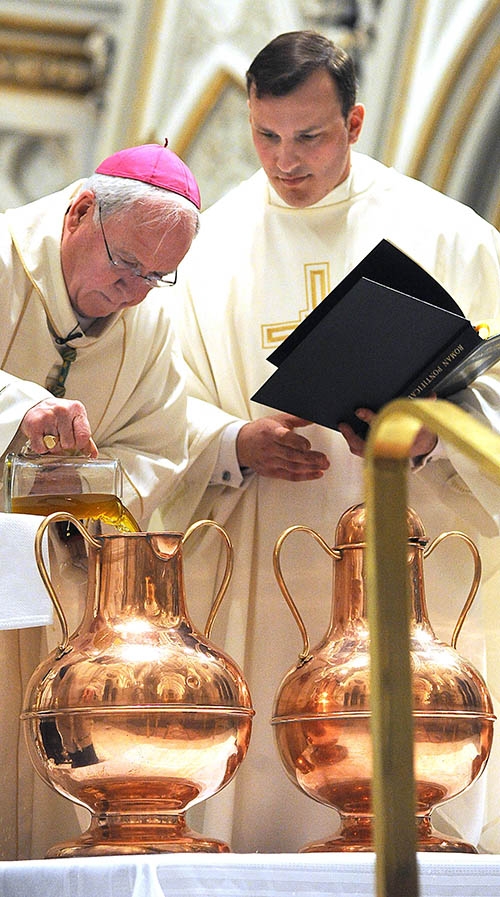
column 24, row 600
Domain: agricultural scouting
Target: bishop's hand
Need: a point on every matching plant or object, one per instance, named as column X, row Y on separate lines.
column 66, row 421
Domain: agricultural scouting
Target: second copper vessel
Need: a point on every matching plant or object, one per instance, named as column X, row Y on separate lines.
column 321, row 715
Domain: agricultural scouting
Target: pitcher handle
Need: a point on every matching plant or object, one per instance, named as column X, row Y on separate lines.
column 305, row 654
column 228, row 571
column 475, row 579
column 63, row 648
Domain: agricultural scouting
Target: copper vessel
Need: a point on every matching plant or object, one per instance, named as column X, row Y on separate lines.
column 136, row 716
column 321, row 715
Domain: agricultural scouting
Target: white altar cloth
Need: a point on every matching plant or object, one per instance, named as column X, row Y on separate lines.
column 252, row 875
column 24, row 600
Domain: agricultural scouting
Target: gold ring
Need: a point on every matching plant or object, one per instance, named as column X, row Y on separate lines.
column 49, row 441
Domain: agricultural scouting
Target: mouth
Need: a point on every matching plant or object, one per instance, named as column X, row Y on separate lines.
column 296, row 181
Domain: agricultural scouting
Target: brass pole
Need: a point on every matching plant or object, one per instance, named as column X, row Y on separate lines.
column 387, row 453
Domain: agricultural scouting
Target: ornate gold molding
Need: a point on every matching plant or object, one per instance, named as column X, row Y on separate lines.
column 151, row 26
column 496, row 218
column 401, row 89
column 431, row 126
column 487, row 71
column 211, row 93
column 40, row 55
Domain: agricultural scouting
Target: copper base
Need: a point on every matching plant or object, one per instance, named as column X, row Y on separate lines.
column 356, row 835
column 127, row 835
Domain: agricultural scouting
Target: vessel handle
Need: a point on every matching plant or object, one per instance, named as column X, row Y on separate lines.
column 63, row 648
column 228, row 571
column 333, row 552
column 475, row 579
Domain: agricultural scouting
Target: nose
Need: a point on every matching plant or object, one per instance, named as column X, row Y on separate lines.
column 130, row 290
column 287, row 156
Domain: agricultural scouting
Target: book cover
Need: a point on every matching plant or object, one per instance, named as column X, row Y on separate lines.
column 369, row 342
column 387, row 265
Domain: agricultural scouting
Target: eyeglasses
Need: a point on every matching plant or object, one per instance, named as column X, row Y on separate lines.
column 154, row 279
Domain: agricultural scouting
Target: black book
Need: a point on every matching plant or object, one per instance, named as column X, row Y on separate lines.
column 388, row 330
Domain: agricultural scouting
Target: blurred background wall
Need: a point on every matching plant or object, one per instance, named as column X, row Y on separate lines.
column 81, row 78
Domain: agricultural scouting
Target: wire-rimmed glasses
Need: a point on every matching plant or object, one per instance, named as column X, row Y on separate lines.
column 154, row 278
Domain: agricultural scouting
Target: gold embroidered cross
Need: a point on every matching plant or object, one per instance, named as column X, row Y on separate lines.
column 317, row 286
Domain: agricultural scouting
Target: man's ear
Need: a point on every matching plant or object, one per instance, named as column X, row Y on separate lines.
column 80, row 207
column 355, row 122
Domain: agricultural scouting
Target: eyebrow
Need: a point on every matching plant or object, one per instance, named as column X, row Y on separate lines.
column 310, row 129
column 127, row 257
column 313, row 130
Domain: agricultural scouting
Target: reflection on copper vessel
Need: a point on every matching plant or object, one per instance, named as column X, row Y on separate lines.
column 136, row 716
column 321, row 715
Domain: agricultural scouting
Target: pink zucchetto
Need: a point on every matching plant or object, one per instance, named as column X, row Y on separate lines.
column 156, row 165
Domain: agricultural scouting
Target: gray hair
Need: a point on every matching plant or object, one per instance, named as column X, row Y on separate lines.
column 115, row 195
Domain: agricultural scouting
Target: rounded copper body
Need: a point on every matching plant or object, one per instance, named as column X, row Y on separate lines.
column 138, row 717
column 322, row 708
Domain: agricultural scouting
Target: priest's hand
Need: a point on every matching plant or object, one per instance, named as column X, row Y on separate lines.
column 271, row 447
column 58, row 425
column 424, row 442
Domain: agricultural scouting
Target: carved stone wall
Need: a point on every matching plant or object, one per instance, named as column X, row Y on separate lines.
column 66, row 80
column 432, row 88
column 51, row 78
column 81, row 78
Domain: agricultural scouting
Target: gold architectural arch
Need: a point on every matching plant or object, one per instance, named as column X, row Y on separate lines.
column 145, row 67
column 211, row 93
column 401, row 89
column 447, row 86
column 485, row 75
column 449, row 82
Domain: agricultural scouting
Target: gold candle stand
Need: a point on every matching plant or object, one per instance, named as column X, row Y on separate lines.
column 387, row 455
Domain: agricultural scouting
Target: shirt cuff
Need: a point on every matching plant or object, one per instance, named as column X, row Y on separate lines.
column 420, row 461
column 227, row 471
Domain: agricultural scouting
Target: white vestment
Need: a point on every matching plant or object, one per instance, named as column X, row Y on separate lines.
column 256, row 270
column 127, row 374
